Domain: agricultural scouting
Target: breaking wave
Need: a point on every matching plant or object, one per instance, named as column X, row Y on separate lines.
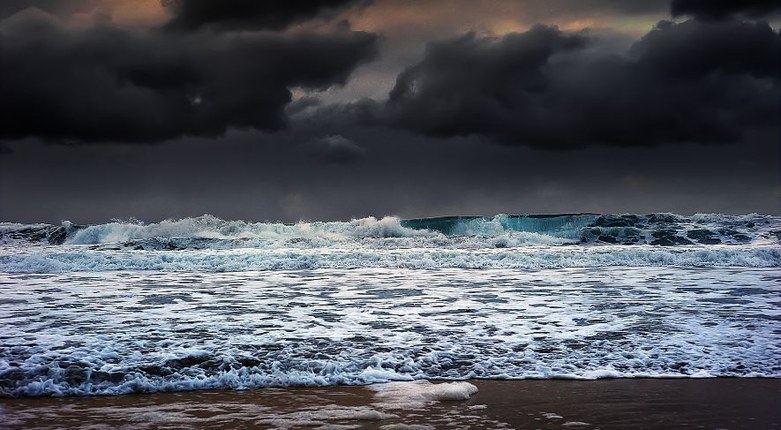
column 200, row 303
column 210, row 244
column 459, row 231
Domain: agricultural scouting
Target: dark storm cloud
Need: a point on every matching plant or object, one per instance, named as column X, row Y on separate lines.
column 699, row 81
column 10, row 7
column 703, row 80
column 718, row 9
column 108, row 84
column 552, row 8
column 249, row 14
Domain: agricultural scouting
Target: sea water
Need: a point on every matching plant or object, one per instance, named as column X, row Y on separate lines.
column 204, row 303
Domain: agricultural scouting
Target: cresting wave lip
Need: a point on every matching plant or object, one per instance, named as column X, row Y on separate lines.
column 209, row 232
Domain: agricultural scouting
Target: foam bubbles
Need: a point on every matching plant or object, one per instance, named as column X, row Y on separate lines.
column 453, row 391
column 121, row 332
column 202, row 303
column 78, row 259
column 415, row 395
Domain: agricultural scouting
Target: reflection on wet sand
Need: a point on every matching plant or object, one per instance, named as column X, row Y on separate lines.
column 545, row 404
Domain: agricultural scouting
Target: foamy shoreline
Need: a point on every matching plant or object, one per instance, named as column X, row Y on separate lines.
column 733, row 403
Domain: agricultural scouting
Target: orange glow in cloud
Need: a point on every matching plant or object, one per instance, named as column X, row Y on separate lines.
column 406, row 19
column 443, row 17
column 446, row 18
column 134, row 12
column 124, row 13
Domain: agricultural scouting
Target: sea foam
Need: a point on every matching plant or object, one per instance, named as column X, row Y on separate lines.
column 204, row 303
column 123, row 332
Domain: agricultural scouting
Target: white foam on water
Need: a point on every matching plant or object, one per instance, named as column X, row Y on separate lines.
column 417, row 394
column 144, row 331
column 80, row 259
column 210, row 227
column 575, row 424
column 453, row 391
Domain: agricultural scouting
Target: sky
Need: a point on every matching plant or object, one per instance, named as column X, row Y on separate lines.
column 339, row 109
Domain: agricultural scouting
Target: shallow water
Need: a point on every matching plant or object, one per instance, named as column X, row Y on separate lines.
column 204, row 303
column 733, row 403
column 130, row 331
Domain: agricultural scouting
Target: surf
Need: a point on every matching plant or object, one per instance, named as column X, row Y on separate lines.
column 208, row 231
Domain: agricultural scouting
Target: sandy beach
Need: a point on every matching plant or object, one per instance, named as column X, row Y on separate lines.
column 726, row 403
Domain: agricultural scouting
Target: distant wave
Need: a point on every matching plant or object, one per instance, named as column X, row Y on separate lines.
column 210, row 244
column 209, row 232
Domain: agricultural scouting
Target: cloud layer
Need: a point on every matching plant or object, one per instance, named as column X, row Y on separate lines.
column 233, row 64
column 698, row 81
column 413, row 134
column 108, row 84
column 248, row 14
column 719, row 9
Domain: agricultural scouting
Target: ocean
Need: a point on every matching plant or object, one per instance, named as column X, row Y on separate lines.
column 204, row 303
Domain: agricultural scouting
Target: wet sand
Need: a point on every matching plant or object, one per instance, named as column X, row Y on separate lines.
column 545, row 404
